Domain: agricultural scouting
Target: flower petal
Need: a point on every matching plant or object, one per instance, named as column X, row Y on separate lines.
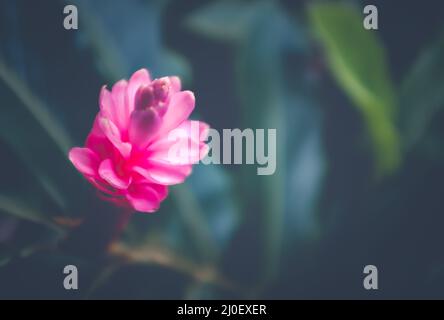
column 103, row 186
column 161, row 190
column 163, row 173
column 183, row 145
column 180, row 151
column 195, row 130
column 179, row 109
column 176, row 84
column 101, row 145
column 98, row 142
column 113, row 134
column 138, row 78
column 108, row 173
column 144, row 124
column 121, row 109
column 146, row 197
column 96, row 130
column 106, row 103
column 85, row 160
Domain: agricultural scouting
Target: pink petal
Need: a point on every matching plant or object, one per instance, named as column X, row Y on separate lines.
column 106, row 103
column 121, row 112
column 144, row 124
column 176, row 84
column 163, row 173
column 113, row 134
column 179, row 109
column 98, row 142
column 195, row 130
column 144, row 97
column 162, row 191
column 204, row 130
column 180, row 151
column 96, row 130
column 184, row 145
column 101, row 145
column 161, row 88
column 103, row 186
column 146, row 197
column 85, row 160
column 138, row 78
column 107, row 172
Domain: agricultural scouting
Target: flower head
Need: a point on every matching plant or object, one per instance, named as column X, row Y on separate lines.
column 141, row 141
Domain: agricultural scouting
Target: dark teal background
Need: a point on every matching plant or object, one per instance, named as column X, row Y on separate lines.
column 305, row 232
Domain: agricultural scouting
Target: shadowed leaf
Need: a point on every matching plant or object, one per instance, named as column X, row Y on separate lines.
column 422, row 93
column 17, row 209
column 357, row 60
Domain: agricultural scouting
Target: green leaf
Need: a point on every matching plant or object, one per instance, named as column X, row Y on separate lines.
column 22, row 107
column 127, row 36
column 262, row 87
column 36, row 108
column 306, row 167
column 422, row 93
column 231, row 21
column 162, row 257
column 208, row 212
column 35, row 113
column 357, row 60
column 17, row 209
column 223, row 20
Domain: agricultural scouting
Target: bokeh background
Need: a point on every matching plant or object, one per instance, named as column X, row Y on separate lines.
column 360, row 159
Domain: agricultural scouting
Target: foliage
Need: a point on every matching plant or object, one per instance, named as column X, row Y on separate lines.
column 226, row 232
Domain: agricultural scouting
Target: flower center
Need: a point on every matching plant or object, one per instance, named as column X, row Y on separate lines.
column 154, row 94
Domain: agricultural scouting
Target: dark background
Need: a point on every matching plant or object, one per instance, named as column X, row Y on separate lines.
column 333, row 206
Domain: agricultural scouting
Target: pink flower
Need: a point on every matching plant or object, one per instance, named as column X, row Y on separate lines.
column 141, row 141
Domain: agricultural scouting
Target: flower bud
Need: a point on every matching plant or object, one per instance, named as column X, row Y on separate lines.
column 144, row 98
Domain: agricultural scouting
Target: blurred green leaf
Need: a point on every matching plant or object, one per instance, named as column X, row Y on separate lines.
column 191, row 229
column 357, row 60
column 306, row 167
column 265, row 103
column 36, row 108
column 209, row 214
column 18, row 209
column 133, row 267
column 231, row 21
column 24, row 116
column 259, row 80
column 127, row 36
column 176, row 261
column 263, row 34
column 422, row 93
column 21, row 237
column 224, row 20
